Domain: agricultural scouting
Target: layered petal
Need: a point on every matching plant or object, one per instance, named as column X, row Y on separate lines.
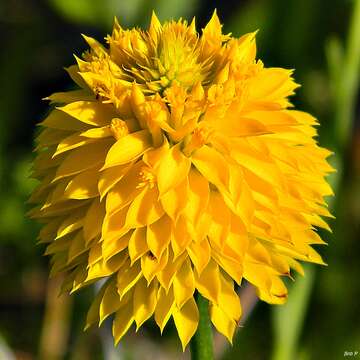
column 177, row 168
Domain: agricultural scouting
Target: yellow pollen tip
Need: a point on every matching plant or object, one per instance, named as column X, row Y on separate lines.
column 199, row 138
column 147, row 178
column 119, row 128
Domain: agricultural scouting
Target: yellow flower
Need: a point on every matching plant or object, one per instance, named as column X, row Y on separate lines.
column 175, row 167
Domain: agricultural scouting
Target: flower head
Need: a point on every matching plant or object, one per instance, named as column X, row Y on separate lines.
column 177, row 166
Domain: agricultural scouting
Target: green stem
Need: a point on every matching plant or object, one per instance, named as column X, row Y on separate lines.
column 201, row 345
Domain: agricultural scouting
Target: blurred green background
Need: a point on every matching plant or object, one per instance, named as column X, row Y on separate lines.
column 319, row 38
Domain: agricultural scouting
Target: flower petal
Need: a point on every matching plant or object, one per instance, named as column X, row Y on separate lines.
column 124, row 317
column 84, row 158
column 138, row 244
column 110, row 302
column 93, row 220
column 186, row 321
column 222, row 322
column 212, row 165
column 208, row 282
column 158, row 235
column 183, row 284
column 90, row 112
column 128, row 148
column 173, row 169
column 164, row 307
column 144, row 301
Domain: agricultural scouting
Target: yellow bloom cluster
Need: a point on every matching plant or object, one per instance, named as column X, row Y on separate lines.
column 175, row 167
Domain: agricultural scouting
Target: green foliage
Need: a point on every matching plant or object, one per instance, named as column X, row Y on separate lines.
column 98, row 13
column 101, row 13
column 288, row 319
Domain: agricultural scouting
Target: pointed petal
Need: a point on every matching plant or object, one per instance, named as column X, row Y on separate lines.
column 83, row 186
column 127, row 278
column 61, row 121
column 208, row 283
column 200, row 254
column 137, row 244
column 93, row 313
column 198, row 196
column 112, row 247
column 175, row 200
column 72, row 142
column 222, row 322
column 109, row 177
column 144, row 301
column 158, row 235
column 145, row 209
column 110, row 302
column 84, row 158
column 124, row 317
column 183, row 284
column 152, row 266
column 212, row 165
column 155, row 27
column 90, row 112
column 186, row 321
column 128, row 148
column 173, row 169
column 93, row 220
column 164, row 307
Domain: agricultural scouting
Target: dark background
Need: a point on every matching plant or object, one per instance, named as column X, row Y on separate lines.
column 316, row 37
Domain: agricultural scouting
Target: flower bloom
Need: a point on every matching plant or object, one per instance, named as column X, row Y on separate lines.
column 177, row 166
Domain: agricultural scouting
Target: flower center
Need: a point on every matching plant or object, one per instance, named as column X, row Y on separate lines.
column 156, row 61
column 178, row 60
